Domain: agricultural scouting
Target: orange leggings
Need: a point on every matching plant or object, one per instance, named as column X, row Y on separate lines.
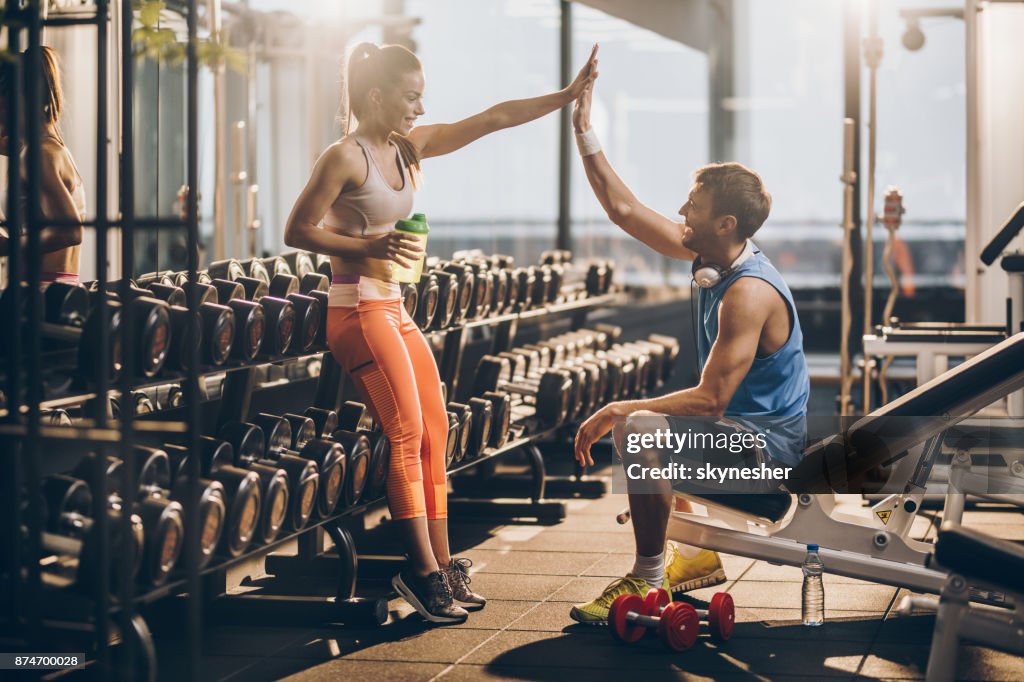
column 393, row 369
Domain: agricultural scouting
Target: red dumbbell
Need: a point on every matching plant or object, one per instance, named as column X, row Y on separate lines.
column 677, row 623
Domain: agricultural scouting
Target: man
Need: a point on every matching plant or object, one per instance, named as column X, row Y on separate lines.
column 749, row 346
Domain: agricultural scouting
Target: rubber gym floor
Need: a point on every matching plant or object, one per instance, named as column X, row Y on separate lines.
column 532, row 574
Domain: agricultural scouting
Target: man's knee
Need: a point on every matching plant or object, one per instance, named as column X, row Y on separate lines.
column 627, row 432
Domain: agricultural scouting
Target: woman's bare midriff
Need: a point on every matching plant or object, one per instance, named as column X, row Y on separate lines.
column 65, row 260
column 378, row 268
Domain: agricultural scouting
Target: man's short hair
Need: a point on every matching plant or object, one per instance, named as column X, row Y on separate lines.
column 737, row 191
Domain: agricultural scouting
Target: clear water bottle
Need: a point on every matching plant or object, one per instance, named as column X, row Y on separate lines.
column 813, row 593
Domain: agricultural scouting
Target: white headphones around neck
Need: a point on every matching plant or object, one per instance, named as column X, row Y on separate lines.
column 707, row 275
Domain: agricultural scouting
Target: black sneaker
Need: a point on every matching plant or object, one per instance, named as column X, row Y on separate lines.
column 457, row 573
column 430, row 595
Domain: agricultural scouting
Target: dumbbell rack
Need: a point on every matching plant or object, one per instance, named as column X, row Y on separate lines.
column 29, row 447
column 311, row 559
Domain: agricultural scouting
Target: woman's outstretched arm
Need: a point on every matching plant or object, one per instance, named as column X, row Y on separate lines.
column 443, row 138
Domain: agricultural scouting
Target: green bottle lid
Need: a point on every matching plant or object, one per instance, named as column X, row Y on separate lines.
column 412, row 226
column 419, row 217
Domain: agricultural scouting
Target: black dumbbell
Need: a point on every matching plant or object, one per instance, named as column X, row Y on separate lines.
column 447, row 298
column 180, row 278
column 451, row 447
column 247, row 441
column 303, row 473
column 70, row 533
column 326, row 421
column 467, row 279
column 357, row 447
column 68, row 322
column 480, row 433
column 213, row 510
column 256, row 269
column 217, row 326
column 250, row 319
column 162, row 517
column 501, row 417
column 278, row 322
column 355, row 418
column 229, row 269
column 465, row 416
column 428, row 295
column 151, row 329
column 300, row 262
column 551, row 390
column 243, row 496
column 671, row 346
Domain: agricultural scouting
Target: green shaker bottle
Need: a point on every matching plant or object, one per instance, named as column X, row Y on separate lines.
column 416, row 227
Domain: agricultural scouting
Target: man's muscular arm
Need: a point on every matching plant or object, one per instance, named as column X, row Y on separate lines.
column 742, row 317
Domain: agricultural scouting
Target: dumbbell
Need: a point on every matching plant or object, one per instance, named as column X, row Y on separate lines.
column 464, row 416
column 162, row 517
column 216, row 325
column 55, row 418
column 482, row 415
column 582, row 388
column 451, row 447
column 676, row 623
column 447, row 298
column 164, row 278
column 255, row 268
column 467, row 280
column 70, row 531
column 243, row 497
column 303, row 473
column 151, row 328
column 641, row 361
column 299, row 262
column 524, row 280
column 323, row 265
column 325, row 421
column 66, row 323
column 554, row 274
column 275, row 326
column 671, row 345
column 229, row 269
column 551, row 390
column 250, row 319
column 357, row 447
column 310, row 441
column 213, row 510
column 428, row 295
column 180, row 278
column 355, row 418
column 247, row 441
column 501, row 417
column 483, row 284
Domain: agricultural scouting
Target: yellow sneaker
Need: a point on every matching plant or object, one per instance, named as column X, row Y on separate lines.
column 596, row 612
column 683, row 575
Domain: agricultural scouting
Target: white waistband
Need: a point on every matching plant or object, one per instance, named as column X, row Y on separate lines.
column 368, row 289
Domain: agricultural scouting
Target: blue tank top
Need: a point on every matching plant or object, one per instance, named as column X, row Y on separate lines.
column 777, row 385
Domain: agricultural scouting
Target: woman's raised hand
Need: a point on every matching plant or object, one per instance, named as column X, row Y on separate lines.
column 395, row 246
column 586, row 76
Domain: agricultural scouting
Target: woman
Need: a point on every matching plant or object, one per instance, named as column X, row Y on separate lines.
column 359, row 187
column 62, row 194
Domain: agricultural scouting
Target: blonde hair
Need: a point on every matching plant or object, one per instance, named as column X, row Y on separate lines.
column 371, row 66
column 737, row 191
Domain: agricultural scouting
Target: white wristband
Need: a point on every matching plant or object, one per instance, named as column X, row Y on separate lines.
column 587, row 142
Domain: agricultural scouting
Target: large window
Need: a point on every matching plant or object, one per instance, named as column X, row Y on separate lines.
column 499, row 194
column 651, row 112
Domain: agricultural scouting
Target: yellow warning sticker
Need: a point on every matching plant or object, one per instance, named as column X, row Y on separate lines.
column 884, row 515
